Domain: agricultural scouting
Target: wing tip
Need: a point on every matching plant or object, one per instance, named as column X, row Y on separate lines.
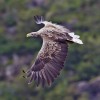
column 38, row 19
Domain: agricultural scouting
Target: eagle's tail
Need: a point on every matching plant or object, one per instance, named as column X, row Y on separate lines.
column 75, row 38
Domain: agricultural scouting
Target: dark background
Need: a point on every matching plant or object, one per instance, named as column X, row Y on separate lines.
column 80, row 78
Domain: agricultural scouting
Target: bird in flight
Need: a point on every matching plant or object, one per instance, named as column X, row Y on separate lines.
column 50, row 59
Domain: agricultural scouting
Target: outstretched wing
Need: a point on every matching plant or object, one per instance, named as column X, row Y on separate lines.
column 70, row 36
column 49, row 62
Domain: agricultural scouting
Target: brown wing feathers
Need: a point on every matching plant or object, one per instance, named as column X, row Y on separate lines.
column 51, row 57
column 45, row 70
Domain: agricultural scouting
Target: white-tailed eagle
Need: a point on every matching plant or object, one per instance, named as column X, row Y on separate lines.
column 50, row 59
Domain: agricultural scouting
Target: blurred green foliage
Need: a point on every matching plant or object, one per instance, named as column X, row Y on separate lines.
column 83, row 63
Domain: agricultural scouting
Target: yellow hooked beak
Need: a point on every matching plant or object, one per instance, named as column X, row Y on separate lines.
column 29, row 35
column 32, row 34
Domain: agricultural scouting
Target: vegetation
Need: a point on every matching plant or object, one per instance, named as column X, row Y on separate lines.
column 82, row 64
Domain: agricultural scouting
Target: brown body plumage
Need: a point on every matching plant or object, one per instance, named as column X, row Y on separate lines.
column 51, row 57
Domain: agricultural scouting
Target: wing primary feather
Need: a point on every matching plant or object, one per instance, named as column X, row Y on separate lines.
column 54, row 74
column 49, row 74
column 47, row 70
column 35, row 18
column 37, row 66
column 28, row 74
column 31, row 78
column 37, row 79
column 57, row 65
column 48, row 78
column 42, row 78
column 38, row 19
column 42, row 18
column 43, row 74
column 53, row 68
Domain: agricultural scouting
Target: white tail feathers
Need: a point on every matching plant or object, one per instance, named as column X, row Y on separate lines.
column 75, row 38
column 72, row 34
